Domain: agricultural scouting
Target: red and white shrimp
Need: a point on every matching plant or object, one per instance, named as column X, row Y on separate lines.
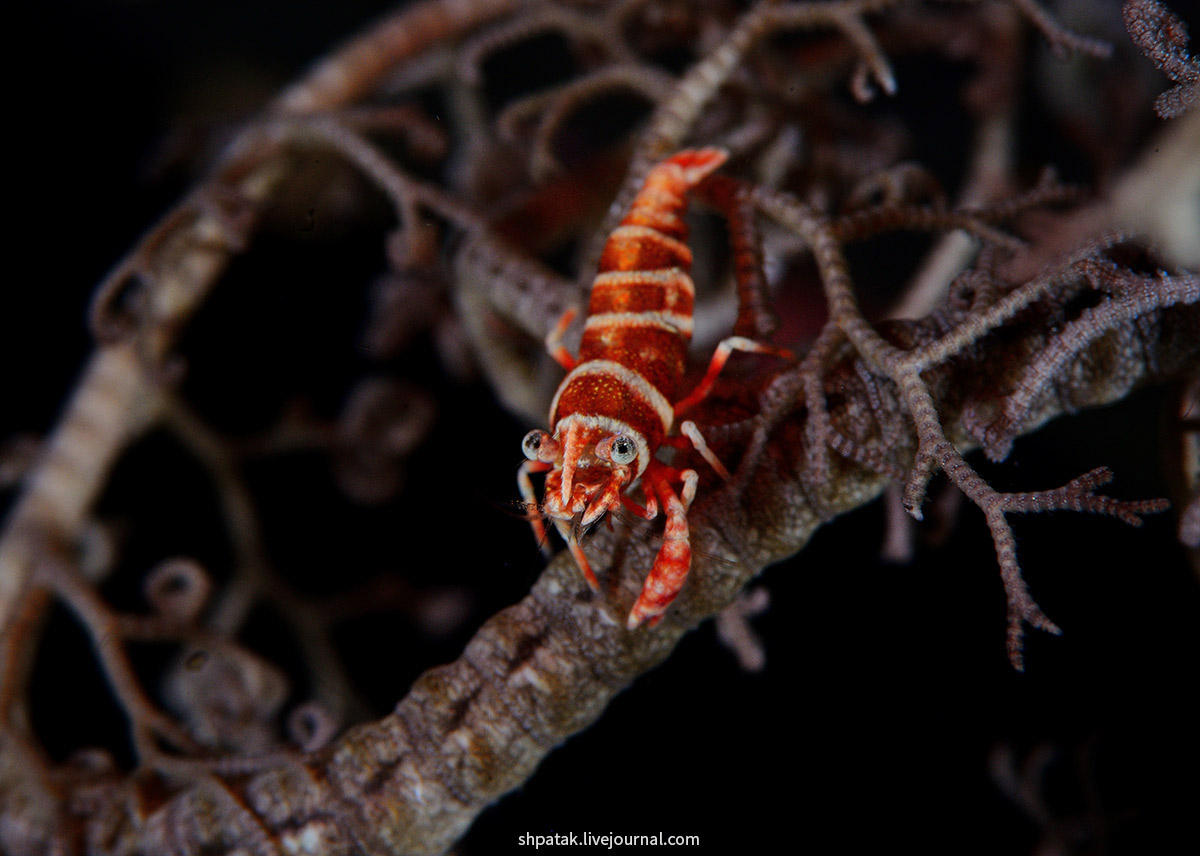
column 614, row 408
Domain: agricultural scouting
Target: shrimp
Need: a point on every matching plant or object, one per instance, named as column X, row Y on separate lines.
column 614, row 408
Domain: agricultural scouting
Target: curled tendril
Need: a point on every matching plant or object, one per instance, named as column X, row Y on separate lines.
column 383, row 422
column 311, row 726
column 178, row 589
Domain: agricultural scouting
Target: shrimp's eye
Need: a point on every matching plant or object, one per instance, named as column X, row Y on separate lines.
column 533, row 442
column 623, row 450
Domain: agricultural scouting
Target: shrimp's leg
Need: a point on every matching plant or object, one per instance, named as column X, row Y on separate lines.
column 719, row 358
column 688, row 429
column 568, row 533
column 530, row 499
column 554, row 338
column 674, row 558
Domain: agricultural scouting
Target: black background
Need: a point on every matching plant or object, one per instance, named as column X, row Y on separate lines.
column 886, row 690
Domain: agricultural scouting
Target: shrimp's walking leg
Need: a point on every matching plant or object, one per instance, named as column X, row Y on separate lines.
column 719, row 358
column 675, row 556
column 568, row 533
column 554, row 345
column 688, row 429
column 530, row 499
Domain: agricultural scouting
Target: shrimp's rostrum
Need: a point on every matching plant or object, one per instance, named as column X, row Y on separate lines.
column 618, row 403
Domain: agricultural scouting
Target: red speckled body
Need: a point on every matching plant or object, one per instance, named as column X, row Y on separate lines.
column 616, row 405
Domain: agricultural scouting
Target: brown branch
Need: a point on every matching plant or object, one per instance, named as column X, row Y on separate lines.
column 1164, row 38
column 190, row 250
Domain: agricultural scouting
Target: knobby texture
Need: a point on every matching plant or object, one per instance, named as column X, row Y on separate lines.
column 934, row 308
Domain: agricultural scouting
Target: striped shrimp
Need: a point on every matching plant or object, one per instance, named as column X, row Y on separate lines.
column 614, row 408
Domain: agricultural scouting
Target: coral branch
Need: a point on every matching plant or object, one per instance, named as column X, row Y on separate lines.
column 1164, row 38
